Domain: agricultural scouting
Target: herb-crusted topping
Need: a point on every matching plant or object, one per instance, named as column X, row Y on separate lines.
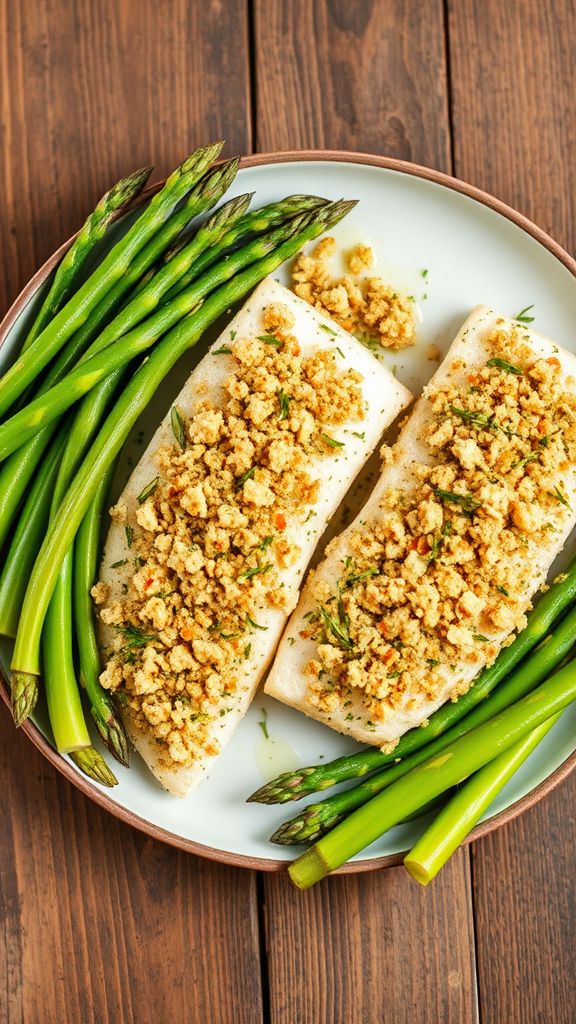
column 211, row 538
column 445, row 572
column 363, row 305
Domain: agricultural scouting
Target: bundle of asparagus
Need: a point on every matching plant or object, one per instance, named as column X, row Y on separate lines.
column 153, row 294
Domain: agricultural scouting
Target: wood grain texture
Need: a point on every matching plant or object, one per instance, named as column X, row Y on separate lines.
column 101, row 923
column 90, row 91
column 370, row 949
column 513, row 69
column 366, row 76
column 525, row 901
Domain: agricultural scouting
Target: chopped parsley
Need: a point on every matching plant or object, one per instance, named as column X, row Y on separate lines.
column 480, row 638
column 361, row 437
column 222, row 351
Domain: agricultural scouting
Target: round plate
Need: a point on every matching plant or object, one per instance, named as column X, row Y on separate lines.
column 451, row 246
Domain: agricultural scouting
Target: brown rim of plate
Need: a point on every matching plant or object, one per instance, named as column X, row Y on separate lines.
column 63, row 766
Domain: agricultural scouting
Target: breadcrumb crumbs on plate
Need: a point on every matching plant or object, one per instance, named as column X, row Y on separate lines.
column 366, row 306
column 209, row 540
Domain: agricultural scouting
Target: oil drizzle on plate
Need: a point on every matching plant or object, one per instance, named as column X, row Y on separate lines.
column 273, row 755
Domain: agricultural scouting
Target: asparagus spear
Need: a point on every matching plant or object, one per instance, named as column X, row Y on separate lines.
column 86, row 552
column 27, row 540
column 438, row 774
column 91, row 762
column 294, row 785
column 256, row 222
column 459, row 816
column 91, row 232
column 25, row 423
column 112, row 269
column 134, row 399
column 17, row 470
column 317, row 819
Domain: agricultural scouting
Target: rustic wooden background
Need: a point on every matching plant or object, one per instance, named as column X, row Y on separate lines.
column 100, row 923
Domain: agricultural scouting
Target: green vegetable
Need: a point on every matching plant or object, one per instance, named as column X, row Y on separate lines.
column 319, row 818
column 459, row 816
column 304, row 781
column 438, row 774
column 27, row 539
column 86, row 555
column 136, row 395
column 91, row 232
column 29, row 364
column 16, row 473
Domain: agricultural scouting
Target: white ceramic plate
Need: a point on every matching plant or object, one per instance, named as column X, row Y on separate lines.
column 451, row 247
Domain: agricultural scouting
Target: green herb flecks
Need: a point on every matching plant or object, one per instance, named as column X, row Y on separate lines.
column 178, row 428
column 241, row 480
column 254, row 570
column 222, row 351
column 269, row 339
column 331, row 441
column 561, row 498
column 357, row 577
column 264, row 724
column 116, row 565
column 337, row 627
column 502, row 590
column 324, row 327
column 134, row 640
column 467, row 502
column 148, row 490
column 284, row 403
column 523, row 316
column 502, row 364
column 254, row 625
column 129, row 535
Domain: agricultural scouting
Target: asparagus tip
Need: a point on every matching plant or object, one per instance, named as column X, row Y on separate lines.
column 91, row 762
column 24, row 693
column 229, row 211
column 126, row 189
column 113, row 736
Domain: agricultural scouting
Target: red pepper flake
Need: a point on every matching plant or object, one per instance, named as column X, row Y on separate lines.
column 419, row 544
column 280, row 521
column 149, row 582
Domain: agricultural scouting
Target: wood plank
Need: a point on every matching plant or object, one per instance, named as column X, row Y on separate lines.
column 372, row 948
column 513, row 69
column 89, row 92
column 366, row 76
column 525, row 902
column 101, row 923
column 363, row 76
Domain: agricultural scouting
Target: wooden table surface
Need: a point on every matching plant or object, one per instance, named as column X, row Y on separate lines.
column 98, row 922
